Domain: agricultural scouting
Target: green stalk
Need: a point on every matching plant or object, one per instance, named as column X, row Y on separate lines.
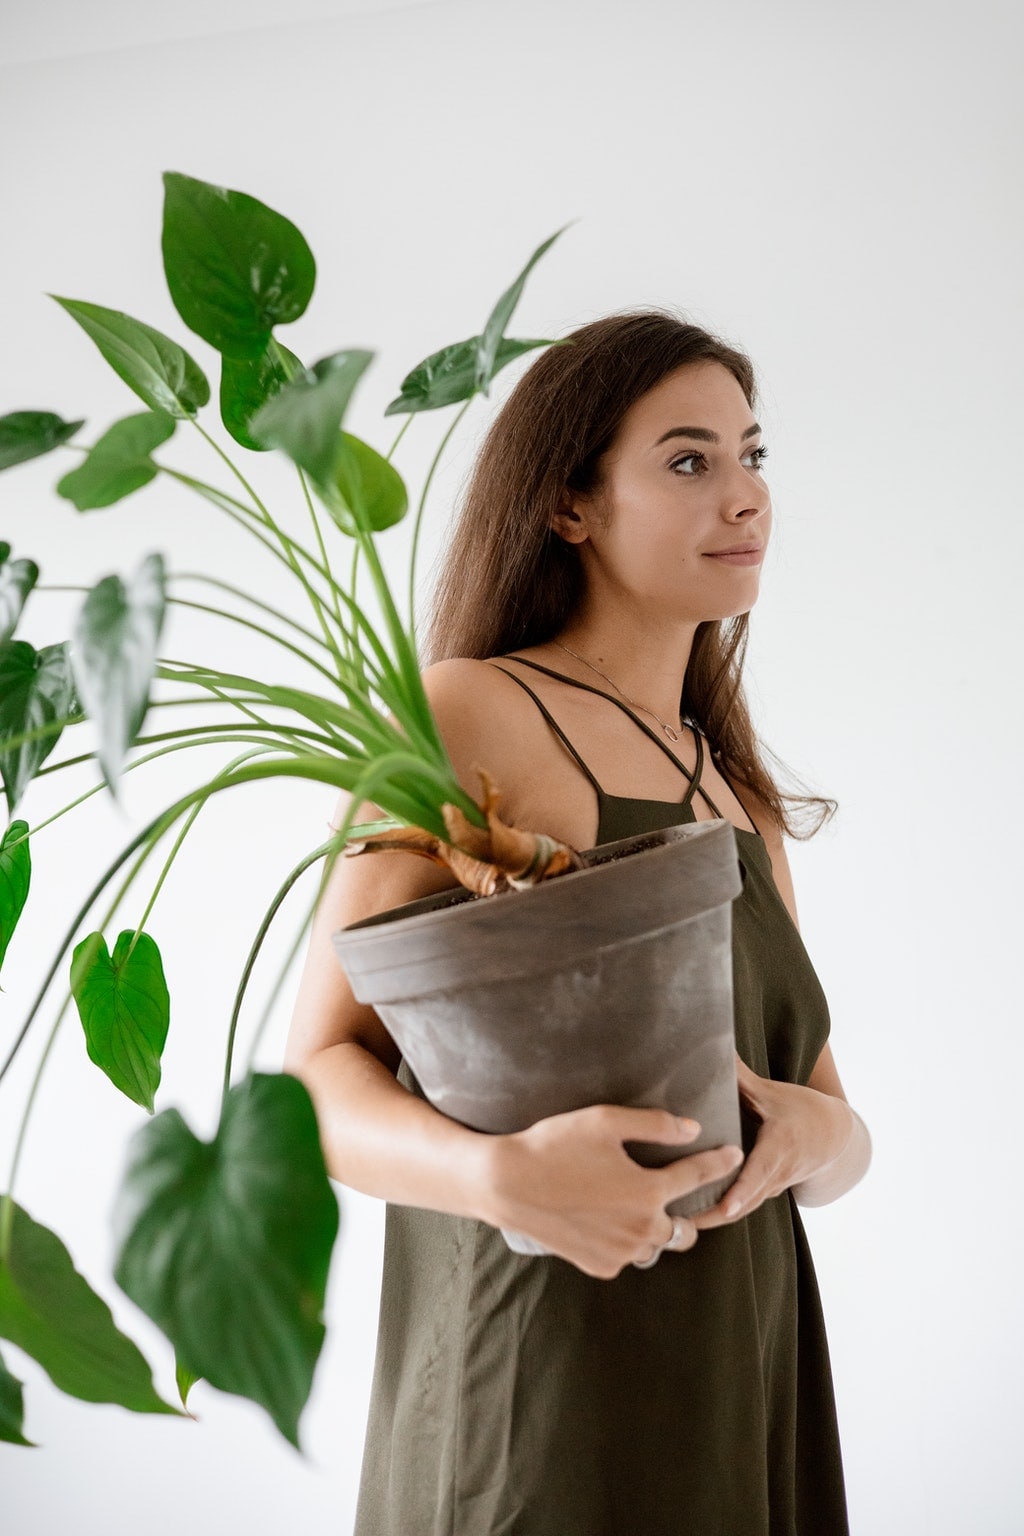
column 236, row 618
column 257, row 944
column 320, row 542
column 7, row 1199
column 420, row 509
column 247, row 597
column 286, row 542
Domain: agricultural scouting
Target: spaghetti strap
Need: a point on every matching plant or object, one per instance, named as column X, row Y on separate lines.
column 693, row 779
column 553, row 723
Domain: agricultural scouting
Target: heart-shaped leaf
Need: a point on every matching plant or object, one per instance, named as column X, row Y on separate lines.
column 17, row 578
column 234, row 267
column 119, row 462
column 226, row 1244
column 373, row 493
column 125, row 1010
column 12, row 1408
column 448, row 376
column 15, row 878
column 159, row 371
column 114, row 657
column 27, row 434
column 246, row 385
column 51, row 1312
column 36, row 691
column 501, row 314
column 304, row 418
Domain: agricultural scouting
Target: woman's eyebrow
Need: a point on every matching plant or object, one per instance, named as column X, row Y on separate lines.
column 703, row 434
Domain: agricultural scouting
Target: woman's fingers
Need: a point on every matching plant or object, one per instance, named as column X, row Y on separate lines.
column 700, row 1168
column 754, row 1185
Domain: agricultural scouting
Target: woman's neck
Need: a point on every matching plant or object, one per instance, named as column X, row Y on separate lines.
column 644, row 664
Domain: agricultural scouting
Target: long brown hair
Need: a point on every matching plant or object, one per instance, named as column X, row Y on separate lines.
column 509, row 581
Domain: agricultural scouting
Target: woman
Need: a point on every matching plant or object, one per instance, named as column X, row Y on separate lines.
column 654, row 1376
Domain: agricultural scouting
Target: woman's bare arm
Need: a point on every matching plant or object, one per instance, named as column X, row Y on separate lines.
column 567, row 1181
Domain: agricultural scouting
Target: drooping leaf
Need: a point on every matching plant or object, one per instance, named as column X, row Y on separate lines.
column 12, row 1408
column 36, row 690
column 226, row 1244
column 372, row 491
column 501, row 314
column 15, row 877
column 124, row 1007
column 51, row 1312
column 185, row 1380
column 247, row 384
column 28, row 434
column 304, row 418
column 448, row 376
column 159, row 371
column 234, row 267
column 114, row 657
column 119, row 462
column 17, row 578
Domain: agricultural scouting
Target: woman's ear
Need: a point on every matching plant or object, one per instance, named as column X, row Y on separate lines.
column 570, row 523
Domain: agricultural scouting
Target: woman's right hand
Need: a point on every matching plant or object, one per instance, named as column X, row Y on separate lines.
column 569, row 1183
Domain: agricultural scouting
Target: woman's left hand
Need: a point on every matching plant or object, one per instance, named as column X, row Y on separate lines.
column 801, row 1132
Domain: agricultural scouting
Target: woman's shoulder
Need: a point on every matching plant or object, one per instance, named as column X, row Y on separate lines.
column 478, row 707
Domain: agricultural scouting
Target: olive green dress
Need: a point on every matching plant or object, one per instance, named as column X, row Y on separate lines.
column 518, row 1396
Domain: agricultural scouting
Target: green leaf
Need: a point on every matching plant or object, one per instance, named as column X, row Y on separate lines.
column 28, row 434
column 51, row 1312
column 12, row 1408
column 234, row 267
column 159, row 371
column 448, row 376
column 247, row 384
column 185, row 1381
column 226, row 1244
column 304, row 418
column 36, row 689
column 119, row 462
column 114, row 657
column 372, row 490
column 15, row 877
column 125, row 1010
column 161, row 374
column 17, row 578
column 501, row 314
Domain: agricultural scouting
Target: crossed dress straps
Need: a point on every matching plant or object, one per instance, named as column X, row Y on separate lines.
column 693, row 778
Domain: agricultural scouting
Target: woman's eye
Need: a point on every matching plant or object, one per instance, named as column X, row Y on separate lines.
column 757, row 454
column 688, row 458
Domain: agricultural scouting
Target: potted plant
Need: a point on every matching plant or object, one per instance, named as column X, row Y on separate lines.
column 226, row 1244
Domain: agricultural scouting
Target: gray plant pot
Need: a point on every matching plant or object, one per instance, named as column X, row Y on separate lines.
column 608, row 985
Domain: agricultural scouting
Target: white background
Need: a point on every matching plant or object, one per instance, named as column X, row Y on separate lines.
column 837, row 190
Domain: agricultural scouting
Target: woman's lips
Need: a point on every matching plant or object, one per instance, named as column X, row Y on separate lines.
column 747, row 554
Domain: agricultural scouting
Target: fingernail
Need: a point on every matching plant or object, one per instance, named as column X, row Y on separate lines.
column 731, row 1207
column 735, row 1156
column 689, row 1128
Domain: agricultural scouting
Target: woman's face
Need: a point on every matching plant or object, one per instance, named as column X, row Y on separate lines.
column 680, row 520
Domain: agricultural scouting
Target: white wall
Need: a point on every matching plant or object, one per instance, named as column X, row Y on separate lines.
column 836, row 189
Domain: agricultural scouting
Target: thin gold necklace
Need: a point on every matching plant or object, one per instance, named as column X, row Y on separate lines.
column 670, row 731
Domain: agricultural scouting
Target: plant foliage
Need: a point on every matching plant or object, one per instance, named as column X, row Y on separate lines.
column 225, row 1243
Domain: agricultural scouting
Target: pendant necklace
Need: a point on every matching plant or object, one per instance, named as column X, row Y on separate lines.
column 670, row 731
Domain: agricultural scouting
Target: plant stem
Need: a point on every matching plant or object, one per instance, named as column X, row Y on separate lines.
column 401, row 433
column 288, row 545
column 257, row 944
column 7, row 1200
column 247, row 597
column 417, row 524
column 236, row 618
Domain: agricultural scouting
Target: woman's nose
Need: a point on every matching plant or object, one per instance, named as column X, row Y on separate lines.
column 746, row 499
